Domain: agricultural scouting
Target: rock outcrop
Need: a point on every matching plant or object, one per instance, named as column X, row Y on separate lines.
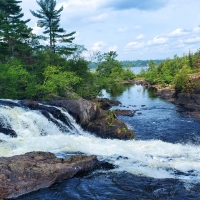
column 106, row 103
column 167, row 94
column 88, row 114
column 95, row 120
column 110, row 128
column 29, row 172
column 82, row 110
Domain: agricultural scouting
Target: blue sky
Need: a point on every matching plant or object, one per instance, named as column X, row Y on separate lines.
column 135, row 29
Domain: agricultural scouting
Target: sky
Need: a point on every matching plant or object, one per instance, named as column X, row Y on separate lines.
column 135, row 29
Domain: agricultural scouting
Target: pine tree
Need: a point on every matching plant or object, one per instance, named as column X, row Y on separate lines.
column 13, row 30
column 49, row 19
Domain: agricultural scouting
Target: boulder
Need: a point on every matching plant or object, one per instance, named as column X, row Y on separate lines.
column 129, row 113
column 22, row 174
column 7, row 131
column 189, row 101
column 166, row 93
column 82, row 110
column 110, row 128
column 106, row 103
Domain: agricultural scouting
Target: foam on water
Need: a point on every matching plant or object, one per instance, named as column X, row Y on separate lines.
column 151, row 158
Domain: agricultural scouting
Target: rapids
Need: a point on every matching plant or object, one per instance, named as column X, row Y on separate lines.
column 158, row 153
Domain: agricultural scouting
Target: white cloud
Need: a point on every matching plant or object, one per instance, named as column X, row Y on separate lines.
column 196, row 29
column 112, row 48
column 178, row 32
column 97, row 46
column 191, row 40
column 98, row 17
column 139, row 37
column 157, row 40
column 36, row 29
column 131, row 46
column 138, row 27
column 74, row 4
column 122, row 29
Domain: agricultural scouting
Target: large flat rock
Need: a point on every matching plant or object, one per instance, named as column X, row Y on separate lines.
column 22, row 174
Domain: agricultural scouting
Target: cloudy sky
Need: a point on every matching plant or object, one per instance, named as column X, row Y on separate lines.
column 135, row 29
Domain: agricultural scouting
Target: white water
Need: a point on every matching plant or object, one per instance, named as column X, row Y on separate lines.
column 152, row 158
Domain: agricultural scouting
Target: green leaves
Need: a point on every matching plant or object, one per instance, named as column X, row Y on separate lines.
column 56, row 82
column 13, row 80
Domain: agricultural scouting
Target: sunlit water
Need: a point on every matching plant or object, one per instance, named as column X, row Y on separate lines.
column 162, row 163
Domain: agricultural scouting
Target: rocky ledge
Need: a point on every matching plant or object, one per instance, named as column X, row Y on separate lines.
column 102, row 123
column 166, row 93
column 29, row 172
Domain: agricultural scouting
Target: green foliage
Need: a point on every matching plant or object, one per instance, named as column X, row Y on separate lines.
column 14, row 80
column 56, row 82
column 112, row 74
column 181, row 78
column 165, row 72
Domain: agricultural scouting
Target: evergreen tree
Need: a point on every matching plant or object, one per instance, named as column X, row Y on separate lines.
column 49, row 19
column 13, row 30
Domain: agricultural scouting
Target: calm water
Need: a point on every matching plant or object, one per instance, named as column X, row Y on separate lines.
column 137, row 70
column 163, row 163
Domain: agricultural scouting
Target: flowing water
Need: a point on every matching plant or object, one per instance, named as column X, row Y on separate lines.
column 162, row 163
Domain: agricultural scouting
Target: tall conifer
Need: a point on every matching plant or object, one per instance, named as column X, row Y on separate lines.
column 49, row 19
column 13, row 30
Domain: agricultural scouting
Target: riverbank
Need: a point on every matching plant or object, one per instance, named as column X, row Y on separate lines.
column 190, row 101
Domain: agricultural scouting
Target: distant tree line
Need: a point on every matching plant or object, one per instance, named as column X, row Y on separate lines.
column 174, row 72
column 139, row 63
column 130, row 63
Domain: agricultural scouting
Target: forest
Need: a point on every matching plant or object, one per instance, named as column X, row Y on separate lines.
column 32, row 69
column 174, row 72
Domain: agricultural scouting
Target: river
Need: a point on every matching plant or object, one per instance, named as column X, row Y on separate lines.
column 162, row 163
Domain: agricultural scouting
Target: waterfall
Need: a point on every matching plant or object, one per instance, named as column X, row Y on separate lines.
column 37, row 130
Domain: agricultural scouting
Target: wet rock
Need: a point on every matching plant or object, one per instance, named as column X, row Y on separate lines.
column 167, row 94
column 143, row 83
column 96, row 120
column 9, row 132
column 29, row 103
column 82, row 110
column 110, row 128
column 106, row 103
column 129, row 113
column 29, row 172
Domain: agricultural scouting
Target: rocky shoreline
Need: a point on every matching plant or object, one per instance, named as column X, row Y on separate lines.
column 190, row 102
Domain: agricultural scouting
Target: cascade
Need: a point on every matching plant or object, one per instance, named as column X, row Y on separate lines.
column 36, row 130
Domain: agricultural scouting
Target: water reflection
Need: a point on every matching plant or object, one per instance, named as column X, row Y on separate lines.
column 116, row 89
